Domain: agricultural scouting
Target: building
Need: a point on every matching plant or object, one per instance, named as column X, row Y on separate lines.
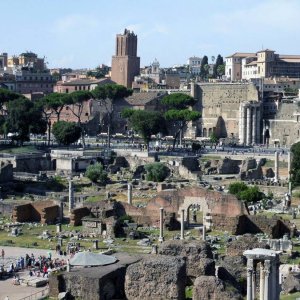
column 233, row 68
column 27, row 59
column 125, row 63
column 194, row 64
column 262, row 64
column 77, row 84
column 3, row 60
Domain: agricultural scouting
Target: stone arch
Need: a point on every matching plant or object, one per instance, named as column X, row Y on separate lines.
column 204, row 134
column 188, row 202
column 210, row 131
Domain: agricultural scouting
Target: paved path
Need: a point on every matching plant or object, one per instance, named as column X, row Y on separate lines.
column 15, row 292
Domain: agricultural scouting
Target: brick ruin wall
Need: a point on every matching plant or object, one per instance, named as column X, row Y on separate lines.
column 77, row 214
column 275, row 227
column 45, row 212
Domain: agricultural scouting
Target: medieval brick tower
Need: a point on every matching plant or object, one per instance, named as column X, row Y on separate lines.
column 125, row 64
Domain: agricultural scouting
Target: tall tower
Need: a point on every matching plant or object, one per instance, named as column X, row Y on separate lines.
column 125, row 64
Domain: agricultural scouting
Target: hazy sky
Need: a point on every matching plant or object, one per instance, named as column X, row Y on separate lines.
column 81, row 33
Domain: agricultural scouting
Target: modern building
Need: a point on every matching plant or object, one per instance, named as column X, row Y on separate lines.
column 27, row 59
column 3, row 60
column 125, row 63
column 262, row 64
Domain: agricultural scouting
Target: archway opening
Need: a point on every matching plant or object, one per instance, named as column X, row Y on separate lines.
column 194, row 216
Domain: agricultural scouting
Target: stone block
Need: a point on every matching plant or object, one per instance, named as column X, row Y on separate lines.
column 156, row 277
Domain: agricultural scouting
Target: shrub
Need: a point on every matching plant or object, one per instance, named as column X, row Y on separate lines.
column 96, row 173
column 156, row 172
column 237, row 187
column 245, row 193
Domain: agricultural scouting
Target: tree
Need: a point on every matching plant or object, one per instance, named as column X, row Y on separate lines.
column 107, row 94
column 179, row 112
column 55, row 103
column 213, row 138
column 6, row 96
column 295, row 167
column 237, row 187
column 204, row 62
column 221, row 70
column 66, row 133
column 76, row 102
column 157, row 172
column 24, row 118
column 219, row 62
column 146, row 123
column 96, row 173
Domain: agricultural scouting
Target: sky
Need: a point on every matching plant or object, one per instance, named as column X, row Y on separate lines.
column 81, row 33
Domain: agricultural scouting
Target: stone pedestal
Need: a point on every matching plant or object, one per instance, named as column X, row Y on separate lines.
column 161, row 225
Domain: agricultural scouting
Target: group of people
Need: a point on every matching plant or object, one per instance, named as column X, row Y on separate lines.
column 40, row 266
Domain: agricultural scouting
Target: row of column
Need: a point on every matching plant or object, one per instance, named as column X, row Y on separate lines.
column 249, row 123
column 182, row 225
column 269, row 280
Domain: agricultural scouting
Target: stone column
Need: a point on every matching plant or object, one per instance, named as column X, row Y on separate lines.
column 161, row 225
column 262, row 282
column 273, row 281
column 258, row 119
column 61, row 210
column 254, row 282
column 95, row 244
column 204, row 232
column 276, row 168
column 254, row 120
column 242, row 124
column 249, row 279
column 129, row 194
column 71, row 195
column 60, row 243
column 267, row 280
column 58, row 228
column 248, row 135
column 182, row 225
column 290, row 157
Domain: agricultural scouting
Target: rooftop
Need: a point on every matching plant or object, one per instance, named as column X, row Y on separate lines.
column 241, row 54
column 141, row 99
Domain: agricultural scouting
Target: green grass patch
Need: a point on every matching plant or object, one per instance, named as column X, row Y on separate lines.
column 20, row 150
column 290, row 297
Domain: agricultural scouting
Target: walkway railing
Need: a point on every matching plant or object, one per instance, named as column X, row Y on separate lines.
column 38, row 295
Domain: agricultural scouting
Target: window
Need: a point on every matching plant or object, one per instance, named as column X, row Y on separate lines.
column 67, row 91
column 76, row 88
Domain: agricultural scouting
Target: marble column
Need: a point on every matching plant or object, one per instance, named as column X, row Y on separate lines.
column 290, row 157
column 276, row 168
column 161, row 225
column 254, row 120
column 182, row 225
column 254, row 282
column 204, row 232
column 249, row 129
column 249, row 279
column 262, row 282
column 95, row 244
column 129, row 194
column 267, row 280
column 71, row 195
column 258, row 119
column 242, row 124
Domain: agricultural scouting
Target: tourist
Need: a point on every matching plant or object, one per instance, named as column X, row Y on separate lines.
column 2, row 253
